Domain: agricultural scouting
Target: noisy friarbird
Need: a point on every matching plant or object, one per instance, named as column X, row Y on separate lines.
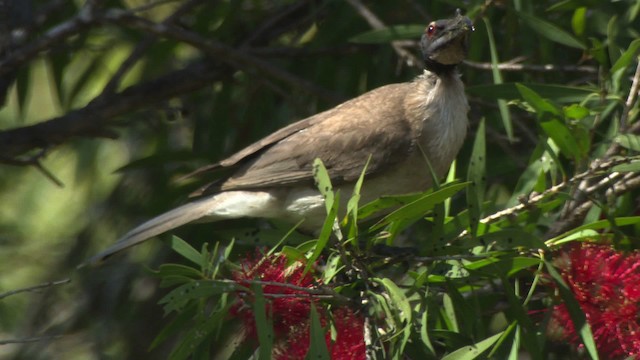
column 407, row 130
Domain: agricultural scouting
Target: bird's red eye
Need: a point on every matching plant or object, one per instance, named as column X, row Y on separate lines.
column 431, row 30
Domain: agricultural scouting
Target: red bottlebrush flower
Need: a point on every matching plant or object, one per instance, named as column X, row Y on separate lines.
column 349, row 343
column 350, row 335
column 605, row 283
column 286, row 312
column 290, row 313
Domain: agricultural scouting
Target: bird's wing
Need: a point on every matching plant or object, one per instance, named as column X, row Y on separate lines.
column 374, row 124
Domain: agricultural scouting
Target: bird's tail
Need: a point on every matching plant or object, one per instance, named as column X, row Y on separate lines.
column 170, row 220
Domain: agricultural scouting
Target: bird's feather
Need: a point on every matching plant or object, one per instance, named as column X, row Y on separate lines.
column 373, row 124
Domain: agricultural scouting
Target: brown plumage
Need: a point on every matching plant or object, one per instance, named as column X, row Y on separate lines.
column 403, row 127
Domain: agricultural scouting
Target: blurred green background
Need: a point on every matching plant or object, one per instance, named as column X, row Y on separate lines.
column 109, row 185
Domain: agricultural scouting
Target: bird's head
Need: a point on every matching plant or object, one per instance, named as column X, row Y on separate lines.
column 445, row 42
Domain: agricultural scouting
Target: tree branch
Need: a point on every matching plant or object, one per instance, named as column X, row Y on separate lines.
column 95, row 119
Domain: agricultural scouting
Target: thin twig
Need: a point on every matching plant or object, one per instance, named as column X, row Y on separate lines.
column 30, row 340
column 35, row 287
column 569, row 214
column 217, row 50
column 377, row 24
column 18, row 141
column 57, row 34
column 510, row 66
column 631, row 99
column 318, row 290
column 597, row 168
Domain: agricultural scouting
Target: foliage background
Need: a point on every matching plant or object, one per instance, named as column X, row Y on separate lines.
column 121, row 106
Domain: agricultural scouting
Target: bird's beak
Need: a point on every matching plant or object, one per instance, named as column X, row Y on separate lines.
column 450, row 45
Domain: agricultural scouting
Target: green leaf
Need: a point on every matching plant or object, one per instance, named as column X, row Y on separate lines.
column 497, row 79
column 325, row 234
column 352, row 205
column 263, row 324
column 418, row 208
column 386, row 202
column 474, row 351
column 403, row 308
column 627, row 57
column 629, row 141
column 179, row 297
column 558, row 93
column 563, row 137
column 179, row 323
column 174, row 274
column 381, row 36
column 323, row 183
column 199, row 333
column 317, row 344
column 476, row 178
column 511, row 238
column 519, row 312
column 575, row 312
column 537, row 102
column 450, row 312
column 579, row 235
column 578, row 20
column 551, row 31
column 424, row 330
column 549, row 116
column 187, row 251
column 633, row 166
column 575, row 111
column 597, row 225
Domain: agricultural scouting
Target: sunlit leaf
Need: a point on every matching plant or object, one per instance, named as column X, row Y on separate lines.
column 575, row 111
column 187, row 251
column 473, row 351
column 627, row 57
column 418, row 208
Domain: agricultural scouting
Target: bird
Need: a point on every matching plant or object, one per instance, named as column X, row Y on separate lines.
column 405, row 131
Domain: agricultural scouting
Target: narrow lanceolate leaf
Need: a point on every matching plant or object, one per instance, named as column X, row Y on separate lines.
column 549, row 117
column 633, row 166
column 629, row 141
column 559, row 93
column 352, row 205
column 177, row 299
column 551, row 31
column 323, row 183
column 497, row 79
column 577, row 315
column 473, row 351
column 263, row 325
column 596, row 225
column 198, row 334
column 424, row 331
column 518, row 312
column 418, row 208
column 187, row 251
column 476, row 176
column 401, row 304
column 627, row 57
column 317, row 345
